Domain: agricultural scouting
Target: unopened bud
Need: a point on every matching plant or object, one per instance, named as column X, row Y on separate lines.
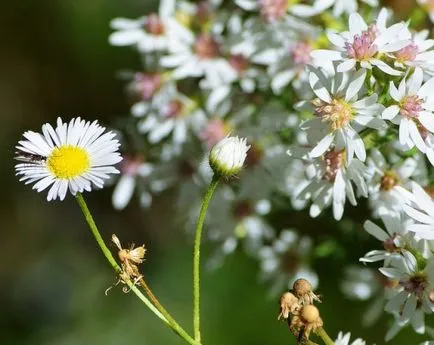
column 228, row 155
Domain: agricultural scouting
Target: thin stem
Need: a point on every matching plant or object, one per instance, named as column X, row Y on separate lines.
column 107, row 253
column 176, row 327
column 324, row 336
column 196, row 257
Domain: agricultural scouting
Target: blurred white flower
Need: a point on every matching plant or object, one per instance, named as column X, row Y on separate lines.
column 155, row 32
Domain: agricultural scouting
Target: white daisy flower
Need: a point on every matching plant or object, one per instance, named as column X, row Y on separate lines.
column 339, row 113
column 285, row 260
column 344, row 339
column 394, row 239
column 74, row 156
column 411, row 300
column 363, row 45
column 154, row 32
column 421, row 210
column 412, row 108
column 388, row 188
column 331, row 181
column 134, row 173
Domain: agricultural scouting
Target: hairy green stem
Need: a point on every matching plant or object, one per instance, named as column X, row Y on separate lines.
column 324, row 336
column 176, row 327
column 107, row 253
column 196, row 257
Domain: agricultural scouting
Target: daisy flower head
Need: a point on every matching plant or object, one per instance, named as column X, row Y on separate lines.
column 412, row 109
column 75, row 156
column 421, row 210
column 339, row 114
column 364, row 44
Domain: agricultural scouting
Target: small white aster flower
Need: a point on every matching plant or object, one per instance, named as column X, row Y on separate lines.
column 388, row 186
column 228, row 155
column 416, row 53
column 331, row 181
column 74, row 156
column 393, row 239
column 344, row 339
column 338, row 112
column 412, row 109
column 364, row 44
column 200, row 57
column 154, row 32
column 421, row 210
column 411, row 299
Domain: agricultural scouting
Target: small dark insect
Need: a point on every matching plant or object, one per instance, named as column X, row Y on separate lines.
column 29, row 157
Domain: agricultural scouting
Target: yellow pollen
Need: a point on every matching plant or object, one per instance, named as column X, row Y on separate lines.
column 68, row 161
column 337, row 114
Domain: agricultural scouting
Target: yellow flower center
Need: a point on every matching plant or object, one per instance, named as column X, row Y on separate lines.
column 68, row 161
column 337, row 114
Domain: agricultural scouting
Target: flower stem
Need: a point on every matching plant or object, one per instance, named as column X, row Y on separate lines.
column 196, row 257
column 176, row 327
column 324, row 336
column 107, row 253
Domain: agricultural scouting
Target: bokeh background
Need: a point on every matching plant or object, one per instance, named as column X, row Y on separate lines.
column 55, row 61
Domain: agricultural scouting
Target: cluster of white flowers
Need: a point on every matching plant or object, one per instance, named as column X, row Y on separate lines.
column 334, row 106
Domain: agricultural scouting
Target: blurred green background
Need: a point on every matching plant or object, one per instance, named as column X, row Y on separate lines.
column 55, row 61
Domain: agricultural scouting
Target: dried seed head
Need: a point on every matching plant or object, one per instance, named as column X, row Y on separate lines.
column 303, row 290
column 130, row 258
column 288, row 305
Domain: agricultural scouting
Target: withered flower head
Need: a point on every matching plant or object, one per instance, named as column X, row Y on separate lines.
column 306, row 321
column 130, row 258
column 302, row 288
column 288, row 305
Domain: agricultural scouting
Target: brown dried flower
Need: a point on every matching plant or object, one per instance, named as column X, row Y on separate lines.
column 307, row 320
column 130, row 258
column 288, row 305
